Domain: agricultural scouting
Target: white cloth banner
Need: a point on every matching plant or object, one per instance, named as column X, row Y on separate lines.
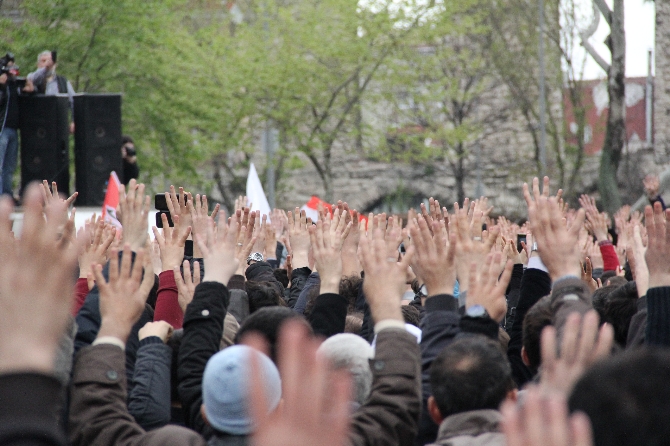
column 255, row 194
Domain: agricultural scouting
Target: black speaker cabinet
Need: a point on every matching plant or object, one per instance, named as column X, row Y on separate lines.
column 44, row 125
column 97, row 145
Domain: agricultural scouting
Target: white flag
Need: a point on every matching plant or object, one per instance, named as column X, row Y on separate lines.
column 255, row 193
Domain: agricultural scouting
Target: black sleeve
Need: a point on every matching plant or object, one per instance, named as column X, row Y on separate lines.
column 28, row 410
column 658, row 317
column 512, row 295
column 298, row 279
column 638, row 324
column 329, row 314
column 203, row 328
column 535, row 284
column 149, row 401
column 659, row 199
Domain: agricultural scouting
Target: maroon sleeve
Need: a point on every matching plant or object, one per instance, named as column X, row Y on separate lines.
column 80, row 293
column 610, row 259
column 167, row 302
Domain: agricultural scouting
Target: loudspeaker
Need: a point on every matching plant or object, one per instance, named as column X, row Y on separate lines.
column 97, row 145
column 44, row 124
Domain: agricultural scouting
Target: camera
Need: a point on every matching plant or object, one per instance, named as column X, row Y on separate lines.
column 130, row 151
column 6, row 68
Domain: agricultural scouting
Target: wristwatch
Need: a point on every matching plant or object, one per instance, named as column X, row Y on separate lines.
column 476, row 311
column 254, row 257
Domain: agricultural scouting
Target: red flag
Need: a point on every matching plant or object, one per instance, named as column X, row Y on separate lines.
column 112, row 200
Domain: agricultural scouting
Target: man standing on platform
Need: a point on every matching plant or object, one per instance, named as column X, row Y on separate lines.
column 45, row 80
column 9, row 123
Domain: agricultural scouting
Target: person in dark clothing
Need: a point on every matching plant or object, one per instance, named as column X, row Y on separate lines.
column 9, row 124
column 129, row 154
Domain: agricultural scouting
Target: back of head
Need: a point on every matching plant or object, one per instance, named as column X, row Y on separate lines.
column 472, row 373
column 226, row 384
column 262, row 294
column 599, row 298
column 620, row 307
column 410, row 315
column 282, row 276
column 351, row 352
column 627, row 398
column 349, row 288
column 267, row 321
column 353, row 323
column 537, row 317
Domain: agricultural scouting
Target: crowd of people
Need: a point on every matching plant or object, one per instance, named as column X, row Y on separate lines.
column 435, row 328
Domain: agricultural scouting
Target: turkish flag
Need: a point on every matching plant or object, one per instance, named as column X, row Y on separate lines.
column 111, row 202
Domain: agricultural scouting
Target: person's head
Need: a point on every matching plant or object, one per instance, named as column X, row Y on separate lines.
column 606, row 276
column 620, row 307
column 349, row 289
column 410, row 314
column 599, row 298
column 312, row 294
column 127, row 146
column 267, row 322
column 350, row 352
column 471, row 373
column 282, row 276
column 261, row 294
column 353, row 323
column 627, row 398
column 226, row 384
column 537, row 317
column 45, row 60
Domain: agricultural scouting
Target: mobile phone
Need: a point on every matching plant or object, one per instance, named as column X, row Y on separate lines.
column 159, row 220
column 520, row 238
column 160, row 203
column 188, row 248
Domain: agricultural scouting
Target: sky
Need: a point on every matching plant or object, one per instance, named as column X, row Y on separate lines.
column 639, row 24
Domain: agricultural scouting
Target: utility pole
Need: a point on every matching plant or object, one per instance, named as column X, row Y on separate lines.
column 543, row 106
column 269, row 146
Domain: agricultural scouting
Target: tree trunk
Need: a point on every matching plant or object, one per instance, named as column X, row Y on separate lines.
column 459, row 174
column 615, row 136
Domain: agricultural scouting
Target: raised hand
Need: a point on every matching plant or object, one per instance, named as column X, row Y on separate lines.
column 122, row 298
column 652, row 185
column 384, row 281
column 177, row 205
column 218, row 251
column 160, row 329
column 596, row 222
column 486, row 289
column 171, row 243
column 327, row 249
column 51, row 195
column 542, row 420
column 638, row 263
column 312, row 413
column 298, row 238
column 350, row 264
column 658, row 245
column 200, row 218
column 433, row 260
column 582, row 345
column 37, row 276
column 556, row 244
column 186, row 285
column 467, row 249
column 134, row 206
column 94, row 247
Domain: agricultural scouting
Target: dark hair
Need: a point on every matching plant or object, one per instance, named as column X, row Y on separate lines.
column 410, row 314
column 600, row 297
column 312, row 294
column 620, row 307
column 627, row 398
column 125, row 139
column 153, row 294
column 267, row 321
column 617, row 281
column 353, row 323
column 471, row 373
column 607, row 275
column 262, row 294
column 349, row 288
column 281, row 275
column 537, row 317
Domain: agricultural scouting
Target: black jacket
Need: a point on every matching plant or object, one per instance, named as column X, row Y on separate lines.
column 298, row 280
column 658, row 317
column 149, row 401
column 9, row 105
column 535, row 284
column 203, row 328
column 263, row 272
